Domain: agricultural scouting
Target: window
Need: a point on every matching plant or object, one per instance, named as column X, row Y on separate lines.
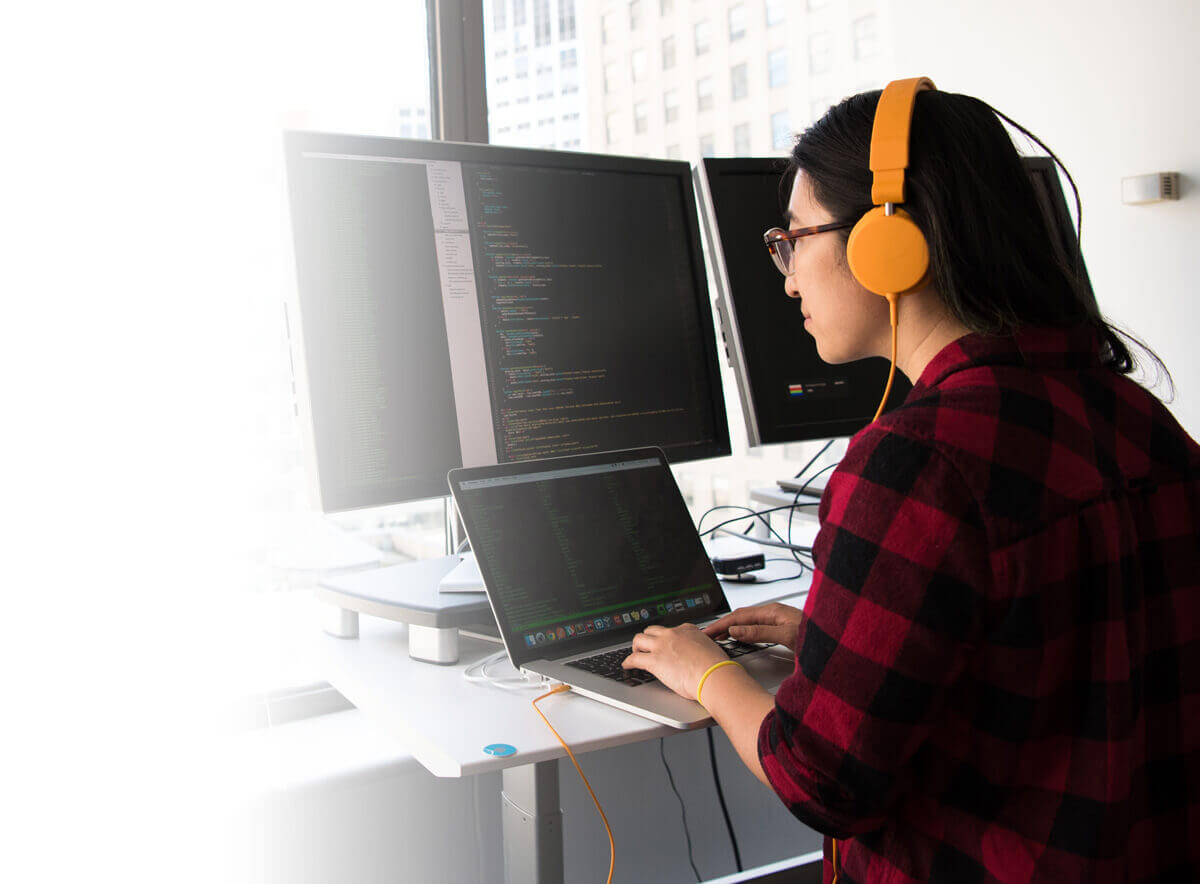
column 781, row 131
column 671, row 105
column 708, row 146
column 541, row 22
column 500, row 15
column 704, row 94
column 637, row 65
column 666, row 7
column 610, row 78
column 668, row 52
column 866, row 44
column 568, row 59
column 610, row 127
column 776, row 12
column 518, row 13
column 641, row 118
column 635, row 15
column 521, row 66
column 673, row 152
column 777, row 68
column 741, row 140
column 703, row 35
column 739, row 85
column 737, row 22
column 566, row 19
column 820, row 54
column 608, row 27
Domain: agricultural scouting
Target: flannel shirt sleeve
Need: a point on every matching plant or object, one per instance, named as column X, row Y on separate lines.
column 902, row 569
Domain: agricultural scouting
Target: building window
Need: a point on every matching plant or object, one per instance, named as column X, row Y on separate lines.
column 566, row 19
column 737, row 22
column 703, row 32
column 610, row 78
column 521, row 66
column 704, row 94
column 500, row 15
column 820, row 58
column 641, row 118
column 635, row 15
column 518, row 13
column 866, row 41
column 708, row 146
column 608, row 27
column 671, row 105
column 781, row 131
column 668, row 52
column 777, row 68
column 776, row 12
column 739, row 85
column 741, row 140
column 541, row 22
column 666, row 7
column 610, row 128
column 673, row 152
column 568, row 59
column 637, row 64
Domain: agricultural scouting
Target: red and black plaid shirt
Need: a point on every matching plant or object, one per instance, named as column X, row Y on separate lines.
column 998, row 671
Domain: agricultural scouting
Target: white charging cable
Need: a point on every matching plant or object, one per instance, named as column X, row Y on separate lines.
column 515, row 682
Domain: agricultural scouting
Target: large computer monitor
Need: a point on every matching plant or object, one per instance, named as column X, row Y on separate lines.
column 465, row 304
column 788, row 393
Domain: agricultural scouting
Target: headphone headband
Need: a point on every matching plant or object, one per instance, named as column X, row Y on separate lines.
column 889, row 138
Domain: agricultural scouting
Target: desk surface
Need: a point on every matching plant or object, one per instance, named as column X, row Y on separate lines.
column 445, row 721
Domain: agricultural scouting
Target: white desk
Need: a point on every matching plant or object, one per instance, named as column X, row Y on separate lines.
column 445, row 721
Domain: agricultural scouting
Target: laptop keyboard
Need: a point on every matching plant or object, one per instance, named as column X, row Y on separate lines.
column 608, row 664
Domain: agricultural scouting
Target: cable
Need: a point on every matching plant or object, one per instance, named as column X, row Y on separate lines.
column 893, row 307
column 612, row 845
column 516, row 682
column 691, row 859
column 712, row 756
column 812, row 461
column 774, row 509
column 750, row 514
column 762, row 541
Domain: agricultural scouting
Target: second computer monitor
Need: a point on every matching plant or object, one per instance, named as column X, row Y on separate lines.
column 788, row 393
column 470, row 305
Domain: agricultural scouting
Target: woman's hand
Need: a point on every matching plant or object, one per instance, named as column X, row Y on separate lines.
column 677, row 657
column 773, row 623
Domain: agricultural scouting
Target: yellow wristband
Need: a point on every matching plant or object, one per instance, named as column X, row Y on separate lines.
column 709, row 671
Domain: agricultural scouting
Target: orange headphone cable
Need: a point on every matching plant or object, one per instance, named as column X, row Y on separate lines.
column 893, row 302
column 612, row 846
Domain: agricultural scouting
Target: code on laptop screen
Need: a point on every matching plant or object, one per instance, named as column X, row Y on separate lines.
column 571, row 552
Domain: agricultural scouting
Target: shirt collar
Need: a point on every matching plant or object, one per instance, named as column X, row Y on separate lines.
column 1039, row 348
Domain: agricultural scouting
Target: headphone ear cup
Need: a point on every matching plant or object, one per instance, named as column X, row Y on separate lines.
column 888, row 254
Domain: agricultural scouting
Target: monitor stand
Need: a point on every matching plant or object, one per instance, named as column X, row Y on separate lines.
column 410, row 593
column 464, row 577
column 816, row 488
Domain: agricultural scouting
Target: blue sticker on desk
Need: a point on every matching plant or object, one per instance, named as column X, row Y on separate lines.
column 500, row 750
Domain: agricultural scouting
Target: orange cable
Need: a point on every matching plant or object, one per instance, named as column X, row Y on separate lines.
column 893, row 301
column 835, row 861
column 612, row 846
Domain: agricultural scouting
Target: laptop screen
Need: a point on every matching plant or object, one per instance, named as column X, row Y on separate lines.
column 585, row 551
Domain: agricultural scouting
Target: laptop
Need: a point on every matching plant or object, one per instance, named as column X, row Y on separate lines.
column 579, row 554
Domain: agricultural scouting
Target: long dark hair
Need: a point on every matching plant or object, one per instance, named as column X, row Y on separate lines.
column 994, row 263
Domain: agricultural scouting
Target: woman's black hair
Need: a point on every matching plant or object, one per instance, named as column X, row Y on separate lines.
column 994, row 263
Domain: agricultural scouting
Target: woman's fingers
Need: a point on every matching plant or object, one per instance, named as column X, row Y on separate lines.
column 773, row 614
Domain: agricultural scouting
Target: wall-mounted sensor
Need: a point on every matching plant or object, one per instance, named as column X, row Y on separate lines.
column 1138, row 190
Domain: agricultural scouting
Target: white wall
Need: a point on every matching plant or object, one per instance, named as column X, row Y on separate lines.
column 1111, row 87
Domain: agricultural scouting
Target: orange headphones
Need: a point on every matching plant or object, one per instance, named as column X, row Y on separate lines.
column 887, row 252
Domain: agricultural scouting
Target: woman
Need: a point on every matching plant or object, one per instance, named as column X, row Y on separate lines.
column 998, row 664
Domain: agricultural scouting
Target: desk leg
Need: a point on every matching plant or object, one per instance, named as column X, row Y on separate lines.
column 532, row 824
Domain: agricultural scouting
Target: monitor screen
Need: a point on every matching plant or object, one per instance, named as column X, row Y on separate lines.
column 788, row 393
column 469, row 305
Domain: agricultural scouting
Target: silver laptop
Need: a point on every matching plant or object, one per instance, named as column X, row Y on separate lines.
column 579, row 554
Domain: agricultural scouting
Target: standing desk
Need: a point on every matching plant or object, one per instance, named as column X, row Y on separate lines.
column 445, row 721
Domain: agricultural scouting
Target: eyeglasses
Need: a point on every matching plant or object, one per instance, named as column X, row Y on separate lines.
column 782, row 243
